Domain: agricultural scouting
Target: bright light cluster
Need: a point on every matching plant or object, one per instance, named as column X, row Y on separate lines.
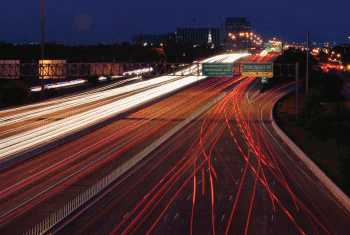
column 138, row 71
column 59, row 84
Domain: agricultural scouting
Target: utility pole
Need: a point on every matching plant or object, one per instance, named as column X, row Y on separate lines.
column 296, row 88
column 307, row 63
column 42, row 48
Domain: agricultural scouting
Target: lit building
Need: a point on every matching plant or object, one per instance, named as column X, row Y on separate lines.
column 235, row 34
column 199, row 36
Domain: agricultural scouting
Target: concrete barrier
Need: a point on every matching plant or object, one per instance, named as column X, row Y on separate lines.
column 333, row 188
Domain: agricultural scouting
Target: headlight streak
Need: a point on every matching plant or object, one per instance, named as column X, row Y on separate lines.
column 265, row 183
column 134, row 221
column 75, row 178
column 248, row 130
column 179, row 110
column 152, row 226
column 135, row 184
column 296, row 200
column 200, row 154
column 258, row 154
column 60, row 101
column 89, row 96
column 68, row 98
column 32, row 138
column 188, row 158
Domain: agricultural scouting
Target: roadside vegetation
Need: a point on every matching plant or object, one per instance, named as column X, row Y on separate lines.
column 322, row 129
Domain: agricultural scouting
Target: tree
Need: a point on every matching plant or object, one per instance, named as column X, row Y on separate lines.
column 14, row 92
column 331, row 84
column 312, row 113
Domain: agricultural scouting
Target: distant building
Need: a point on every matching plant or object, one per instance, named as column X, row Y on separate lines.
column 199, row 36
column 153, row 39
column 235, row 34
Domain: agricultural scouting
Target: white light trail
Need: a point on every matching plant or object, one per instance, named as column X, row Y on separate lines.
column 32, row 138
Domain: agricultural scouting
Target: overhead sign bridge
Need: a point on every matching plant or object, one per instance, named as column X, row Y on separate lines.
column 59, row 69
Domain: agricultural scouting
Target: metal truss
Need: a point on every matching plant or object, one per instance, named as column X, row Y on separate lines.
column 63, row 70
column 74, row 70
column 284, row 70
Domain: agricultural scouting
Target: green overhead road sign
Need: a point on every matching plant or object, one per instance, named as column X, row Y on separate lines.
column 257, row 69
column 217, row 69
column 264, row 80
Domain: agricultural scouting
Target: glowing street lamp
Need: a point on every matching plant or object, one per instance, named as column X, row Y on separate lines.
column 42, row 45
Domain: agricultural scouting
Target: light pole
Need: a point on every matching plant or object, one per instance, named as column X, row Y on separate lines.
column 42, row 48
column 307, row 62
column 296, row 89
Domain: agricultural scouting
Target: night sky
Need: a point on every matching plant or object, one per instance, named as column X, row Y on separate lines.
column 89, row 22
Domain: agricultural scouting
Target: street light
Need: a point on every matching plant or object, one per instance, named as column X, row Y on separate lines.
column 42, row 47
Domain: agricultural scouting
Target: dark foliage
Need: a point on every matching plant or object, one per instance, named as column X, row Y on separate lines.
column 330, row 85
column 312, row 113
column 93, row 80
column 14, row 92
column 125, row 52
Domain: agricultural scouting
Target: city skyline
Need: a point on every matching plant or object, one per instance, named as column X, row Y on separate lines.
column 88, row 22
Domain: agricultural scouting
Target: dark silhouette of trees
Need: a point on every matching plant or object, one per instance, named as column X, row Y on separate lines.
column 14, row 92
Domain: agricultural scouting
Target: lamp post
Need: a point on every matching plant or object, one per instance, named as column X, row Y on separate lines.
column 42, row 48
column 307, row 62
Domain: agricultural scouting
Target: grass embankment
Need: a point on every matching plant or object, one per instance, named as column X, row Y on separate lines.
column 329, row 151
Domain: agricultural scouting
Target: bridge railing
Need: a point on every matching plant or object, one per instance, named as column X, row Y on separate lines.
column 63, row 70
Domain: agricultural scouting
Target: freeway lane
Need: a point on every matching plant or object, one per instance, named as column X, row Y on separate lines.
column 225, row 173
column 67, row 118
column 39, row 186
column 53, row 178
column 103, row 94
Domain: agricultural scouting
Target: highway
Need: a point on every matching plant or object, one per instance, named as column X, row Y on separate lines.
column 225, row 172
column 26, row 128
column 84, row 154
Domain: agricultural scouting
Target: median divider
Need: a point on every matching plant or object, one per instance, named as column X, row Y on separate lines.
column 332, row 187
column 78, row 201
